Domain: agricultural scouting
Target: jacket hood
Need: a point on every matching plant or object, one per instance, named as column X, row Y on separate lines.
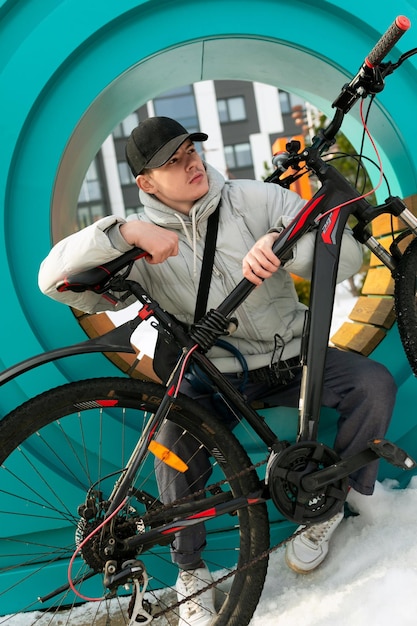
column 163, row 215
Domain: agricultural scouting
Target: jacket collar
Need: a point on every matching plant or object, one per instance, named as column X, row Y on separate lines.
column 163, row 215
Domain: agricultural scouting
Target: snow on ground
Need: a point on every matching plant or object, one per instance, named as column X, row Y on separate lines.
column 369, row 577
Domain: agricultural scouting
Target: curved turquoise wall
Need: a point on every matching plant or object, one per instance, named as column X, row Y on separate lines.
column 71, row 70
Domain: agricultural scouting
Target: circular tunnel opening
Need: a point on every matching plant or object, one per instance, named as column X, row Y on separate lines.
column 309, row 76
column 106, row 108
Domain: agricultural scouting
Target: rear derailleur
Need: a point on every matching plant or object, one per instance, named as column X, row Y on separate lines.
column 133, row 573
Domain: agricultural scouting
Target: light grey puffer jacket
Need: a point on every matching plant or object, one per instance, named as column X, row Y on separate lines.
column 248, row 210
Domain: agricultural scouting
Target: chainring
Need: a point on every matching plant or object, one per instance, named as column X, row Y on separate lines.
column 286, row 470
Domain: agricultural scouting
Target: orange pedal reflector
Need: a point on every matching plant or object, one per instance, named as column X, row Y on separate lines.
column 167, row 456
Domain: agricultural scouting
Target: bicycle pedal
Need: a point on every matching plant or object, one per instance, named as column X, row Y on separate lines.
column 392, row 453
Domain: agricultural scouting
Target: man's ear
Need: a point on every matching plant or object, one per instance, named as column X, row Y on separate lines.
column 145, row 183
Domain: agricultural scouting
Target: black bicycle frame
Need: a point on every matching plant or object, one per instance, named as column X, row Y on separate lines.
column 327, row 212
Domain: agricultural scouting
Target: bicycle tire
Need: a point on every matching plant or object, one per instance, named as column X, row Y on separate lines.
column 50, row 451
column 405, row 295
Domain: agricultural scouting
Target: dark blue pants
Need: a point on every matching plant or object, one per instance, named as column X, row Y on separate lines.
column 361, row 391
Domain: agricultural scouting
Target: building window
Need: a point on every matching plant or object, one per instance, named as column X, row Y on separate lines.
column 180, row 105
column 285, row 101
column 126, row 126
column 125, row 173
column 231, row 109
column 239, row 155
column 89, row 213
column 91, row 202
column 288, row 100
column 91, row 187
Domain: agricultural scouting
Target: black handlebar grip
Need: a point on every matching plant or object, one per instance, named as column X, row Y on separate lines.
column 388, row 40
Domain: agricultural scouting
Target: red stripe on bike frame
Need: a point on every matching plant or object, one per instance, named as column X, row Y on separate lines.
column 107, row 402
column 152, row 432
column 141, row 255
column 332, row 219
column 172, row 530
column 309, row 207
column 207, row 513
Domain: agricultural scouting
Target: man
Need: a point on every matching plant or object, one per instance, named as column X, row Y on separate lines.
column 179, row 192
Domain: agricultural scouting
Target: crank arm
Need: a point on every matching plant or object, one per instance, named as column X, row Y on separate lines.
column 377, row 449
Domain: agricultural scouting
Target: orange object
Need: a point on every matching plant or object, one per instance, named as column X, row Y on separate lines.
column 167, row 456
column 302, row 185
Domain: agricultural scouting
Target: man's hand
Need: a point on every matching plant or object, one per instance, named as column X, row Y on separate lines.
column 158, row 242
column 260, row 262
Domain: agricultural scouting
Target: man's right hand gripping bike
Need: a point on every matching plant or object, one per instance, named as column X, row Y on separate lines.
column 81, row 516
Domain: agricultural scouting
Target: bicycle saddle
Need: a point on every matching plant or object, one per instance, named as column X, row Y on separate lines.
column 97, row 278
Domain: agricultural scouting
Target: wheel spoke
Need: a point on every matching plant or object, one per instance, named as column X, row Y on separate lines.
column 55, row 484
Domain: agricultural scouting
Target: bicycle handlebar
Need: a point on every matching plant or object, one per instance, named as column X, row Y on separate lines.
column 388, row 40
column 369, row 78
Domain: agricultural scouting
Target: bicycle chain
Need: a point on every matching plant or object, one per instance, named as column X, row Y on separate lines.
column 256, row 559
column 218, row 581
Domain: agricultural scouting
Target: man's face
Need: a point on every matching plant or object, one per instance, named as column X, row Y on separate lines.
column 180, row 182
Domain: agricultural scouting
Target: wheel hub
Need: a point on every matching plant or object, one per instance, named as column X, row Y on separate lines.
column 101, row 547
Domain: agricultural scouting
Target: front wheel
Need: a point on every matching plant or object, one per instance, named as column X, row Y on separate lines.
column 406, row 302
column 61, row 454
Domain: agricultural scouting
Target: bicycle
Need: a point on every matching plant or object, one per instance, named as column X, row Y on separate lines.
column 111, row 531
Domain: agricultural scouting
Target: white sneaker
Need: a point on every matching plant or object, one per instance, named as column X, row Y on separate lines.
column 199, row 611
column 307, row 550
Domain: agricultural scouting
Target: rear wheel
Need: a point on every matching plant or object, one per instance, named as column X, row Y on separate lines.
column 406, row 303
column 60, row 456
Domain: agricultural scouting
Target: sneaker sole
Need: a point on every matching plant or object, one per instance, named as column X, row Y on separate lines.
column 297, row 570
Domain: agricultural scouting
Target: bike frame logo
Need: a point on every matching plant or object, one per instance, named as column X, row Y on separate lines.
column 329, row 229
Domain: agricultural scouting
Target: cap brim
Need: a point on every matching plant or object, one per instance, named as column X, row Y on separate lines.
column 165, row 153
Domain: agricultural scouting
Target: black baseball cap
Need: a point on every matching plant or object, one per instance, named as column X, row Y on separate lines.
column 154, row 141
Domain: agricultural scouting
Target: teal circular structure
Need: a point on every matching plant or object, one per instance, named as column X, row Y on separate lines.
column 72, row 70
